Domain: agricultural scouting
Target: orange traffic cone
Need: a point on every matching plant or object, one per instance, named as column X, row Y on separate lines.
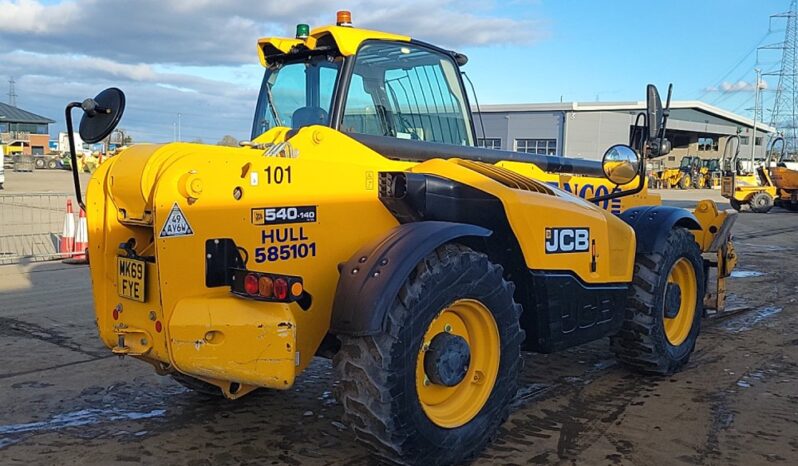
column 67, row 243
column 81, row 237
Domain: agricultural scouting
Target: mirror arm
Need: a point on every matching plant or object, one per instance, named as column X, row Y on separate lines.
column 640, row 184
column 72, row 153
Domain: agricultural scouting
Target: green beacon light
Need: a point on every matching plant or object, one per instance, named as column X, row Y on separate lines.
column 302, row 31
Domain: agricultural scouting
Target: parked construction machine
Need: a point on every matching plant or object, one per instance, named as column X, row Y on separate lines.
column 786, row 181
column 710, row 174
column 689, row 174
column 361, row 223
column 754, row 189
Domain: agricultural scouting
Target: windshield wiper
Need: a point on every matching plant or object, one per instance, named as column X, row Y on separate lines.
column 272, row 106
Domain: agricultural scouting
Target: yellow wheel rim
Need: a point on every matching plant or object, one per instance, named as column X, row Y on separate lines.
column 678, row 328
column 452, row 407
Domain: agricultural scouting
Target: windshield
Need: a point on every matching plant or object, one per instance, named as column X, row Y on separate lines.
column 686, row 161
column 296, row 93
column 407, row 91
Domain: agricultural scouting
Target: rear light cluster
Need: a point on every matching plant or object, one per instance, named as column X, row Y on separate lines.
column 267, row 286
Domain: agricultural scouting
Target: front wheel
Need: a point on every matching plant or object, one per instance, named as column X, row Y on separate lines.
column 435, row 385
column 663, row 315
column 39, row 163
column 735, row 204
column 685, row 182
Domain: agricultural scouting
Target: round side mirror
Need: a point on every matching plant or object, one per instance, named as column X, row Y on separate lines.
column 621, row 164
column 101, row 115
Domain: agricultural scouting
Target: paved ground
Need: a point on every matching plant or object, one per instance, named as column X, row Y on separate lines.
column 66, row 401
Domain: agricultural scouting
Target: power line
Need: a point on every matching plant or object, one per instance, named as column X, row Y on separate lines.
column 753, row 49
column 785, row 104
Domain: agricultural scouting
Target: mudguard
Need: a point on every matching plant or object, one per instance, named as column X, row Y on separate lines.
column 652, row 224
column 372, row 277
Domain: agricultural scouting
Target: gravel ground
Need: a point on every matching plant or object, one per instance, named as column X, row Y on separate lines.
column 65, row 400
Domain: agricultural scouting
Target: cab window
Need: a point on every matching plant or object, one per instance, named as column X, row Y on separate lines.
column 406, row 91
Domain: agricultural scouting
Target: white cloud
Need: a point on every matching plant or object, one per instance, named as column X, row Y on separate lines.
column 166, row 54
column 739, row 86
column 209, row 32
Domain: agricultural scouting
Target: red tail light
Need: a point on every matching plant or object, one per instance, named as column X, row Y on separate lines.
column 280, row 289
column 265, row 287
column 251, row 283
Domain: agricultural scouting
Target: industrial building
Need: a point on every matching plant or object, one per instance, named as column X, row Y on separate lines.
column 23, row 132
column 587, row 129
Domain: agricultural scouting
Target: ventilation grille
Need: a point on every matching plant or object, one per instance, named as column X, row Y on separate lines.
column 506, row 177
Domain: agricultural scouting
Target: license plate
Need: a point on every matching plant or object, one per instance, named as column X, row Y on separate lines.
column 131, row 275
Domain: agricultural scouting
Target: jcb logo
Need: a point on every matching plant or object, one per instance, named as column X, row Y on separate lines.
column 559, row 240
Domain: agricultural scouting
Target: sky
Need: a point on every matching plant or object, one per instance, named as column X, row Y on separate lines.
column 198, row 58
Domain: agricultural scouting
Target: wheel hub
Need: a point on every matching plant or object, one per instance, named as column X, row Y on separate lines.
column 673, row 300
column 447, row 359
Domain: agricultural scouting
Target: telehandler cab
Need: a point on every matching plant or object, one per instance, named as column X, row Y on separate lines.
column 361, row 223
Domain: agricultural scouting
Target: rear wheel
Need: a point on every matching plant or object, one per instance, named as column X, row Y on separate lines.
column 761, row 202
column 435, row 385
column 39, row 163
column 52, row 164
column 685, row 182
column 663, row 317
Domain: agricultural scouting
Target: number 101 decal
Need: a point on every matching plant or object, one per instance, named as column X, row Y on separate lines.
column 282, row 215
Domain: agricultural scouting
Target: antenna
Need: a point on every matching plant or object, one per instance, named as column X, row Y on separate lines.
column 12, row 93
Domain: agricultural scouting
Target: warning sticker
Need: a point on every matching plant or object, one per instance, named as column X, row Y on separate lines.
column 176, row 224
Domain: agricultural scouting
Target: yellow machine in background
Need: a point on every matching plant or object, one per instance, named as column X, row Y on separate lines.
column 756, row 189
column 710, row 174
column 361, row 223
column 691, row 173
column 786, row 181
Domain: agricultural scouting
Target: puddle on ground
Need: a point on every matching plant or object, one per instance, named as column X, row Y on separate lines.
column 527, row 393
column 79, row 418
column 746, row 273
column 748, row 320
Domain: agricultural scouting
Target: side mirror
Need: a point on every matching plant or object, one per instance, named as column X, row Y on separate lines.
column 101, row 115
column 653, row 110
column 621, row 164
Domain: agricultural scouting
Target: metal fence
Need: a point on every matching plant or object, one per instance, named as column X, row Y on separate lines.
column 31, row 225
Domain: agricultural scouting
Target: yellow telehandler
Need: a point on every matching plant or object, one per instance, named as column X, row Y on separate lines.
column 361, row 223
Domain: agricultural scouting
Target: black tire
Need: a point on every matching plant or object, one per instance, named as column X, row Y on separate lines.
column 735, row 204
column 761, row 203
column 39, row 163
column 642, row 343
column 197, row 385
column 378, row 373
column 685, row 182
column 52, row 164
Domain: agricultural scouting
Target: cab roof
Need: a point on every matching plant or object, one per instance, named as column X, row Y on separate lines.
column 346, row 39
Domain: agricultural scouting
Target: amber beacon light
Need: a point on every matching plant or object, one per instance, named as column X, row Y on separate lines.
column 343, row 18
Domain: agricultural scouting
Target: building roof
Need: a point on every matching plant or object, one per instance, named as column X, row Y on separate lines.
column 12, row 114
column 619, row 106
